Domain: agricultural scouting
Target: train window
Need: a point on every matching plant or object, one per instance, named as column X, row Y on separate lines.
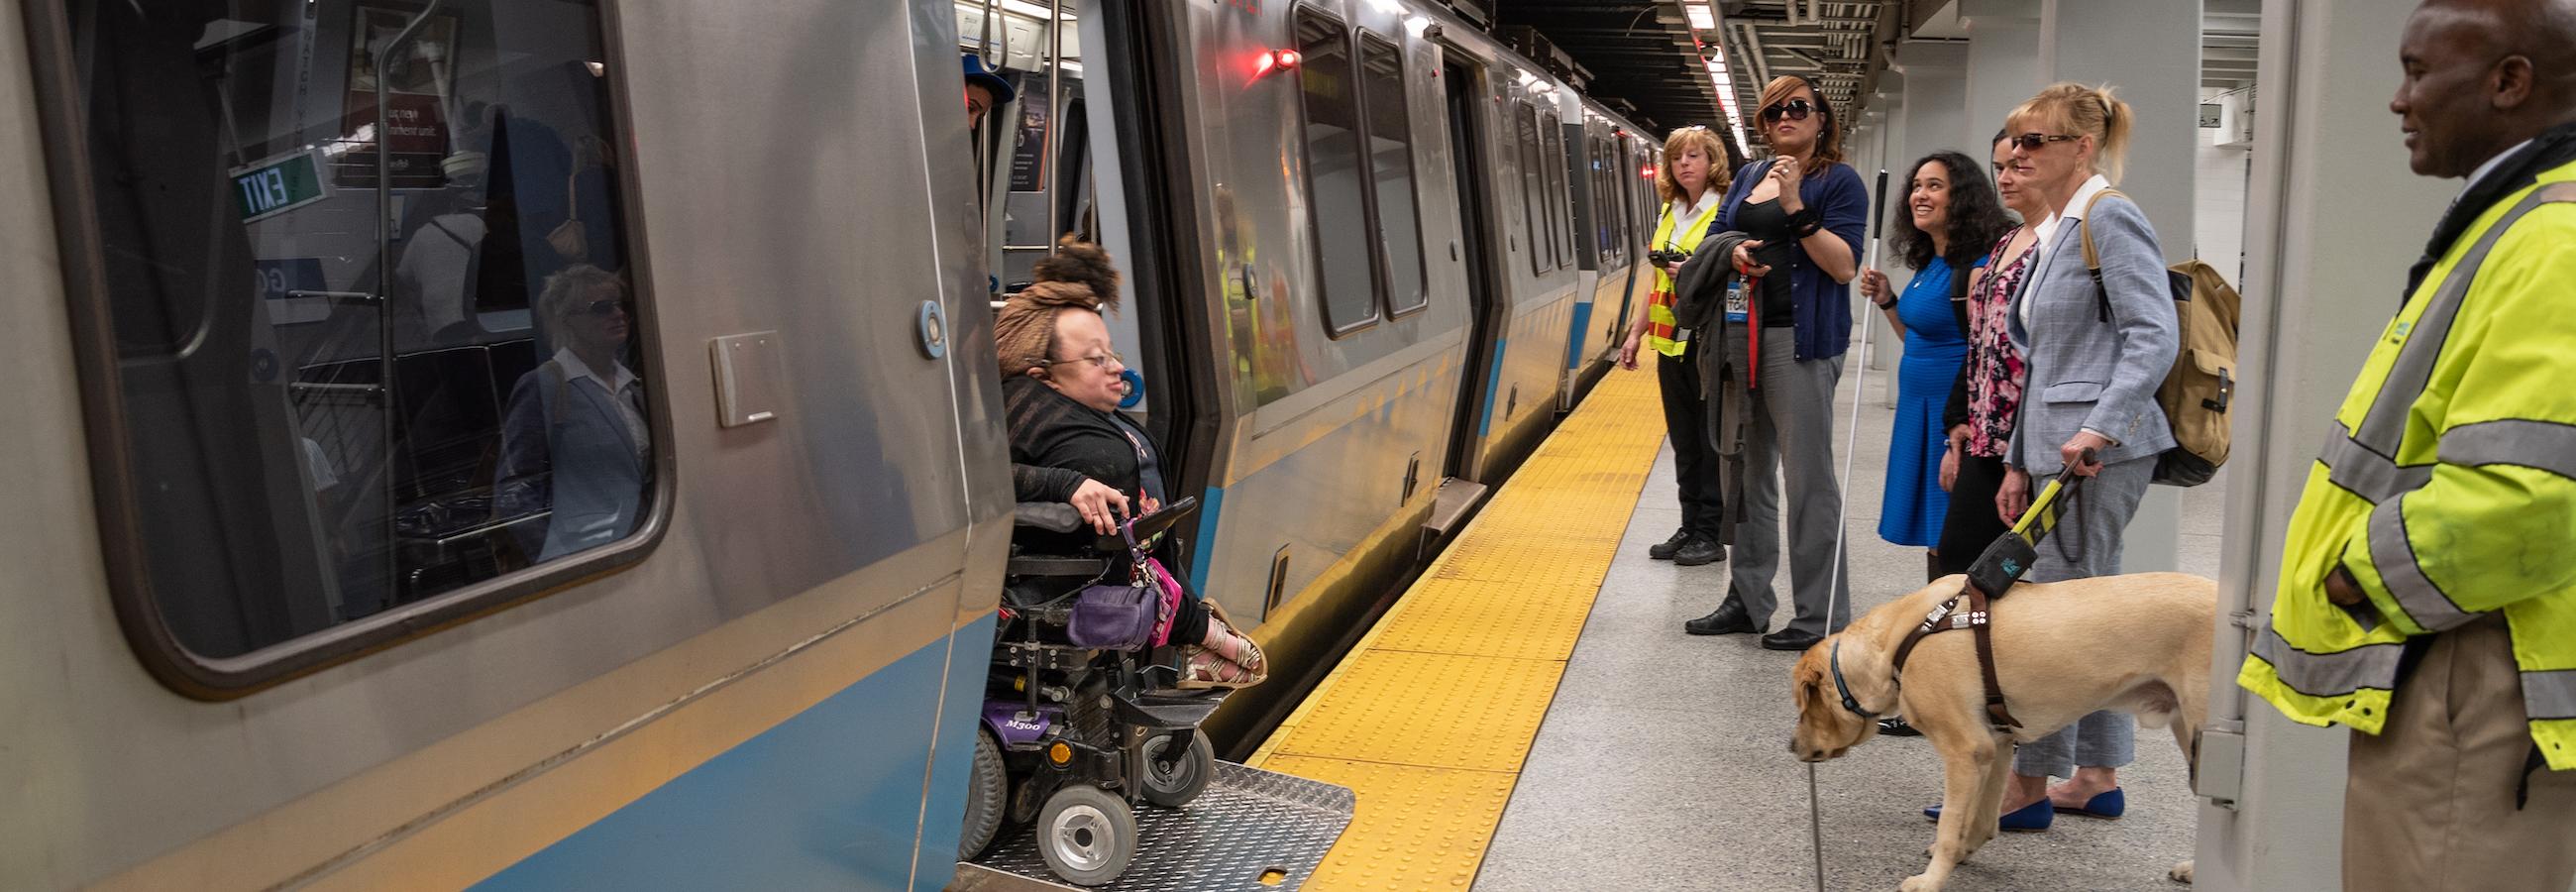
column 1533, row 206
column 1560, row 203
column 360, row 333
column 1337, row 202
column 1390, row 131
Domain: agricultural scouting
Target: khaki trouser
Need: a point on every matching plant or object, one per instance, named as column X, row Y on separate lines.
column 2430, row 803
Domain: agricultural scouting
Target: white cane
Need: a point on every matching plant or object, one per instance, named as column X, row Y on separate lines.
column 1842, row 518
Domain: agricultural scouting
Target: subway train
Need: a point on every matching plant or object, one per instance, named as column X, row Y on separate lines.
column 557, row 443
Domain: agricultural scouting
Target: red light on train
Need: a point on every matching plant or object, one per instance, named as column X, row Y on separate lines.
column 1647, row 172
column 1276, row 60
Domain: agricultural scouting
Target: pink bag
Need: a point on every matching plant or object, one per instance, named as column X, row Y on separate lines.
column 1171, row 601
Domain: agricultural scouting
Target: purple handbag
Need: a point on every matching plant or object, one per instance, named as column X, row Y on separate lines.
column 1119, row 617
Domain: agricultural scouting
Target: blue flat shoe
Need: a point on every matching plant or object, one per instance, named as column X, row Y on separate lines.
column 2031, row 818
column 2106, row 805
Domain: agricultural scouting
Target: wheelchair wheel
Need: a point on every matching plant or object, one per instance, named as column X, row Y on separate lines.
column 988, row 792
column 1086, row 835
column 1185, row 779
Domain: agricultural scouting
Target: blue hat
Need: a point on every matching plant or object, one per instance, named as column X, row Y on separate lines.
column 988, row 78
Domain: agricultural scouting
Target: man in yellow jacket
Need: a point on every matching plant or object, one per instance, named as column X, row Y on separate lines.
column 2428, row 585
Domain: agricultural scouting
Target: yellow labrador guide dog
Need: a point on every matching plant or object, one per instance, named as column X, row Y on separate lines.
column 2138, row 643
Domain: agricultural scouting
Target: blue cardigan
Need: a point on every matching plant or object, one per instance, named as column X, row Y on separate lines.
column 1821, row 307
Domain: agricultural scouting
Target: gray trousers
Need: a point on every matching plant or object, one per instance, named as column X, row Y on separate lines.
column 2085, row 544
column 1787, row 430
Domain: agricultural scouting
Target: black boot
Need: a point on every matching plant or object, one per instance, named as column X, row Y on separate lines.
column 1701, row 549
column 1664, row 552
column 1729, row 618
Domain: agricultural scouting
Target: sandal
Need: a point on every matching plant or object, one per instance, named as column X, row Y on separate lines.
column 1202, row 668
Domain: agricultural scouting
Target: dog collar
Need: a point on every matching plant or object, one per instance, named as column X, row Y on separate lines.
column 1834, row 661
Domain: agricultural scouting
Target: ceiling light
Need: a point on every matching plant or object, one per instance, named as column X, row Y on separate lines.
column 1700, row 17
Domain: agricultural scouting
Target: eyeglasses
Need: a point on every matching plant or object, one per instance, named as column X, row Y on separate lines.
column 2030, row 142
column 1097, row 360
column 1796, row 109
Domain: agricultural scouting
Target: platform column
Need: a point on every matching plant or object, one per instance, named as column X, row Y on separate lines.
column 2150, row 52
column 2325, row 268
column 2003, row 62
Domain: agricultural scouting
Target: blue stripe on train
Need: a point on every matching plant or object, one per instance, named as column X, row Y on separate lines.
column 1574, row 335
column 829, row 798
column 1203, row 548
column 1493, row 382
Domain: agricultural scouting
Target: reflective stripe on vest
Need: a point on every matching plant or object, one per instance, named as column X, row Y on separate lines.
column 1661, row 324
column 2328, row 674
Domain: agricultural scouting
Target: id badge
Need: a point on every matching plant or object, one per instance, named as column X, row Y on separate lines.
column 1739, row 302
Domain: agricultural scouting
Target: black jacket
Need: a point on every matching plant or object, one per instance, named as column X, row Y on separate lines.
column 1055, row 444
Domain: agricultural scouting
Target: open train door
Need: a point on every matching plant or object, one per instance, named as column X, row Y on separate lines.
column 1461, row 85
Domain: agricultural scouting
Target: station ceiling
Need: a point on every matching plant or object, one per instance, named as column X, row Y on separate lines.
column 1647, row 57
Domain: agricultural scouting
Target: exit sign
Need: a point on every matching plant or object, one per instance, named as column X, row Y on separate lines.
column 278, row 185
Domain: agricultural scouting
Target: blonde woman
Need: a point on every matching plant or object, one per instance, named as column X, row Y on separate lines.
column 1690, row 180
column 2095, row 357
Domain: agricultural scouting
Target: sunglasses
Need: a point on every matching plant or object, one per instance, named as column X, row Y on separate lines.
column 2030, row 142
column 1796, row 109
column 603, row 306
column 1097, row 360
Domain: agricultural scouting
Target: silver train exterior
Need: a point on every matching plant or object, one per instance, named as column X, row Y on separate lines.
column 1330, row 381
column 218, row 676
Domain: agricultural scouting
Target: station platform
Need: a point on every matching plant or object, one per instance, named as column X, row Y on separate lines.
column 1530, row 715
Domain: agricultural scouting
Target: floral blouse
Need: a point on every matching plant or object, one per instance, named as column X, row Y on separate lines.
column 1995, row 370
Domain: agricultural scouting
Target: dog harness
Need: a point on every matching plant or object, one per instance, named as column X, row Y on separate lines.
column 1994, row 573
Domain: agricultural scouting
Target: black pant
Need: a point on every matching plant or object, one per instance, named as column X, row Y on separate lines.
column 1694, row 458
column 1972, row 523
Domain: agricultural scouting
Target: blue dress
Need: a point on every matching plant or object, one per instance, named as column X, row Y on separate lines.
column 1913, row 505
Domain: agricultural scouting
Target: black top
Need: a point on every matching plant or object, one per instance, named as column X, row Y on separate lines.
column 1765, row 221
column 1050, row 430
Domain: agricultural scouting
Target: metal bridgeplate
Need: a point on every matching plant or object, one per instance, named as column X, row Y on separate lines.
column 1247, row 824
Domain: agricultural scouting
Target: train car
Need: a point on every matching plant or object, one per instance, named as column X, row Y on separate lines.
column 1614, row 211
column 481, row 443
column 1360, row 244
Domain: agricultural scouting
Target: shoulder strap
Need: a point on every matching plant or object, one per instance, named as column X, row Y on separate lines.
column 556, row 381
column 1959, row 276
column 2093, row 258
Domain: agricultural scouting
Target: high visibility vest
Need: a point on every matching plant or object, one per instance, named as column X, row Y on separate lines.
column 2447, row 485
column 1661, row 325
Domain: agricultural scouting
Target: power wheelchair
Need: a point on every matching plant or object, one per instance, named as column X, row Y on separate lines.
column 1073, row 736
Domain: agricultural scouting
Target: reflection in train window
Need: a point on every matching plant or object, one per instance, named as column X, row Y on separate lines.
column 1560, row 203
column 1533, row 207
column 1391, row 155
column 1337, row 209
column 375, row 328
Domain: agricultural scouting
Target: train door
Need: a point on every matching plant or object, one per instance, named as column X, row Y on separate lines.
column 1461, row 87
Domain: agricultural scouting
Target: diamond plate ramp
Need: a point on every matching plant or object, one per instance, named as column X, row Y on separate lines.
column 1248, row 823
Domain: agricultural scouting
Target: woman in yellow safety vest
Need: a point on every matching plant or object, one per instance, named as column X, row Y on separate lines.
column 1692, row 181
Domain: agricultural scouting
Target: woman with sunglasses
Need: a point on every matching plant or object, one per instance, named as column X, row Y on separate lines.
column 1690, row 184
column 1060, row 391
column 2095, row 356
column 1950, row 218
column 574, row 443
column 1804, row 211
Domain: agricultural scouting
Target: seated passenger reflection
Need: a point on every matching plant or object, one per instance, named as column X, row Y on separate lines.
column 574, row 441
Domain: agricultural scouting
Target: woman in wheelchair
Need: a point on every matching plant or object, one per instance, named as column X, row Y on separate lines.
column 1060, row 393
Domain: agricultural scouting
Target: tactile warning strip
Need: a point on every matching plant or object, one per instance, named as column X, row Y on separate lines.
column 1430, row 716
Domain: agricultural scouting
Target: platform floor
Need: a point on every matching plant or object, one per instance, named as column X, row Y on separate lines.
column 1531, row 717
column 1663, row 762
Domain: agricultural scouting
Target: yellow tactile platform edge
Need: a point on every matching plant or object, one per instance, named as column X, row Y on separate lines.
column 1429, row 716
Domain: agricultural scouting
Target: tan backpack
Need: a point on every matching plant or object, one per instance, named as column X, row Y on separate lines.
column 2202, row 383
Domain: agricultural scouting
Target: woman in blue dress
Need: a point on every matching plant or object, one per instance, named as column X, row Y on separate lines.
column 1950, row 218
